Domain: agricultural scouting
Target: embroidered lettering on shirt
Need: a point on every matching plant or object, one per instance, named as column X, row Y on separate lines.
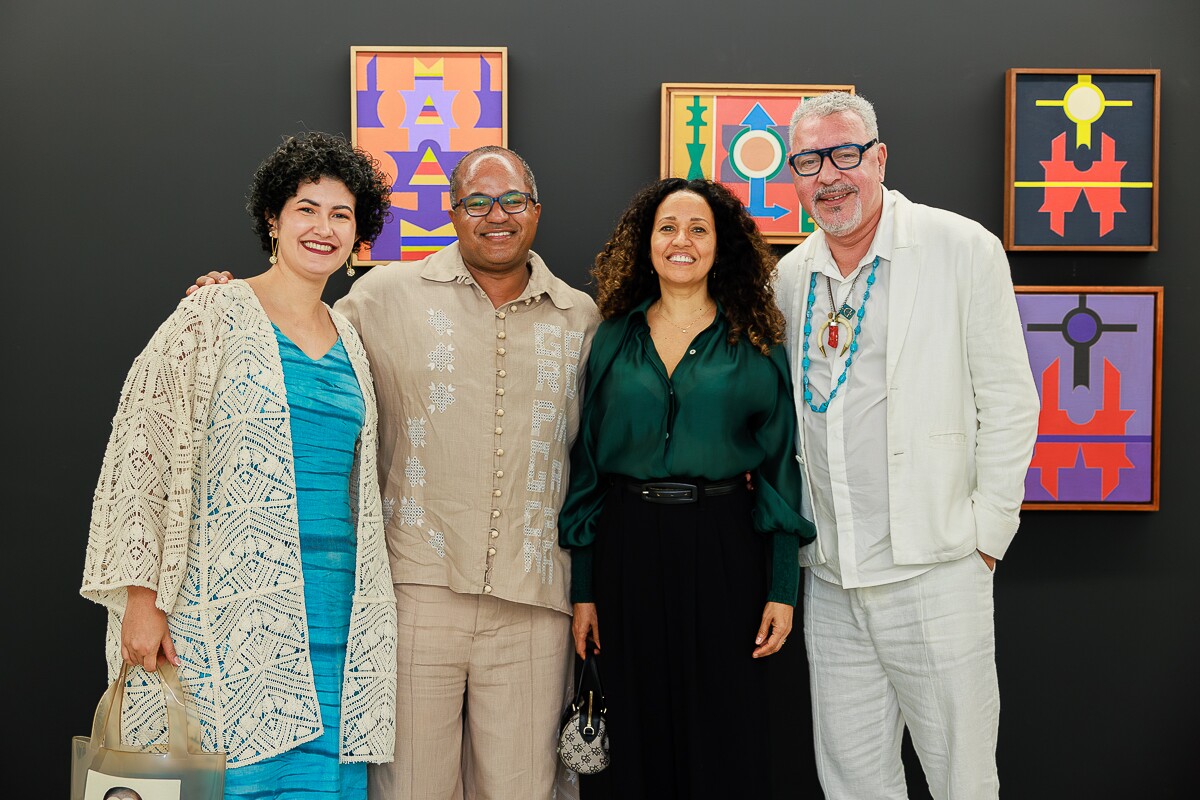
column 535, row 479
column 537, row 548
column 543, row 411
column 547, row 339
column 548, row 372
column 573, row 342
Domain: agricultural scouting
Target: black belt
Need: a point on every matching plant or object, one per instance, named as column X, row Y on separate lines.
column 677, row 492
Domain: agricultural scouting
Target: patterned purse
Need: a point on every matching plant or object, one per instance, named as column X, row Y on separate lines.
column 583, row 734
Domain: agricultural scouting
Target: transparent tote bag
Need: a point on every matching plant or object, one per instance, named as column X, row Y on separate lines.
column 102, row 770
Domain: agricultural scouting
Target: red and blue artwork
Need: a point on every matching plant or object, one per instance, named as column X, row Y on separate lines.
column 419, row 110
column 1082, row 160
column 736, row 134
column 1095, row 353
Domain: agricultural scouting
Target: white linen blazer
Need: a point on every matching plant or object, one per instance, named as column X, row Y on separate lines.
column 962, row 408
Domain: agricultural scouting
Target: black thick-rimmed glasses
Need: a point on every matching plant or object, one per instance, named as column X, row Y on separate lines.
column 480, row 205
column 807, row 163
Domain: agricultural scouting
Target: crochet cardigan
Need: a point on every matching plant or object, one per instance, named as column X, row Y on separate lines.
column 197, row 501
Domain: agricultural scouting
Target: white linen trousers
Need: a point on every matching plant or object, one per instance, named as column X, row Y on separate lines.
column 919, row 652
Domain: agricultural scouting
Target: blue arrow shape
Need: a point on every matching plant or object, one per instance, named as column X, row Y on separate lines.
column 758, row 119
column 757, row 205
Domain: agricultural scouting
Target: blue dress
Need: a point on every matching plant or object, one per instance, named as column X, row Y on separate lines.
column 327, row 414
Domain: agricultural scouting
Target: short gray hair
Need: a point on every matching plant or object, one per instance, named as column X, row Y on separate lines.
column 456, row 174
column 824, row 105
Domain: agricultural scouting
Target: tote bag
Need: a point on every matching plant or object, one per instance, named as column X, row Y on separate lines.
column 102, row 770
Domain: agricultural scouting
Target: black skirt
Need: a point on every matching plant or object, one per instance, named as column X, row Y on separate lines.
column 680, row 591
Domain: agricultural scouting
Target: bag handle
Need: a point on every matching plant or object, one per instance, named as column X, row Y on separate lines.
column 106, row 725
column 591, row 672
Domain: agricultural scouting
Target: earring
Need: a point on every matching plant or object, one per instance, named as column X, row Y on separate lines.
column 274, row 259
column 350, row 265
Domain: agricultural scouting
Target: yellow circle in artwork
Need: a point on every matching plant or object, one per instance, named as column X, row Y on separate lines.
column 1084, row 102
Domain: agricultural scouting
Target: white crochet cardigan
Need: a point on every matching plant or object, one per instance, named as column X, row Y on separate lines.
column 197, row 500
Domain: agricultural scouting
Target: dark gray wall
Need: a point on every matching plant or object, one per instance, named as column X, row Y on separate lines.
column 129, row 133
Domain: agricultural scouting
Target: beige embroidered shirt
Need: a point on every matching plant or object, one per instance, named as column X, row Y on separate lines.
column 478, row 407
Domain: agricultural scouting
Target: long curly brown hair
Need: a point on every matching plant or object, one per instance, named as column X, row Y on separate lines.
column 741, row 277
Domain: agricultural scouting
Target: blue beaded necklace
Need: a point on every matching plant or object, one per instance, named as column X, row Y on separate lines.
column 862, row 311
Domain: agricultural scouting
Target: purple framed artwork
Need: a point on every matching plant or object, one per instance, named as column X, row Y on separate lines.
column 1096, row 355
column 419, row 110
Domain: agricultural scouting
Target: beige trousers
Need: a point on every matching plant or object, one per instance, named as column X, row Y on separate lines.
column 494, row 668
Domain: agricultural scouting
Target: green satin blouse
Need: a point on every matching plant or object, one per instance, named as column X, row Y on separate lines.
column 725, row 410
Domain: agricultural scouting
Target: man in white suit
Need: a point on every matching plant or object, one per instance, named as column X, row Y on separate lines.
column 918, row 415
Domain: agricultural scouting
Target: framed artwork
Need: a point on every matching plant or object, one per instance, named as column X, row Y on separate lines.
column 1081, row 159
column 1096, row 354
column 736, row 134
column 419, row 110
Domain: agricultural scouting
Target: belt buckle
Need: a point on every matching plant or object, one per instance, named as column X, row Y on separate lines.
column 668, row 493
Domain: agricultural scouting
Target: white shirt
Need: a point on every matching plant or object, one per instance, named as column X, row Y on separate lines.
column 847, row 445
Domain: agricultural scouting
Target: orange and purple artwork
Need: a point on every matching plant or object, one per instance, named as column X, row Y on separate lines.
column 736, row 134
column 1096, row 354
column 419, row 110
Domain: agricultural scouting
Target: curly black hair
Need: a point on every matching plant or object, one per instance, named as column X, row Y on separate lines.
column 310, row 156
column 741, row 277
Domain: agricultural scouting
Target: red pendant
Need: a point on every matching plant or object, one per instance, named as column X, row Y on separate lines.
column 833, row 335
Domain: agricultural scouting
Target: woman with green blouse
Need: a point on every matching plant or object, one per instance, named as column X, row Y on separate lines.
column 684, row 575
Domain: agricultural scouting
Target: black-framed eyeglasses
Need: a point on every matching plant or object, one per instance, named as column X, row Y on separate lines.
column 480, row 205
column 844, row 156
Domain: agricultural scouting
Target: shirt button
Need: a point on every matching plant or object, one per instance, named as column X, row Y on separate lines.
column 499, row 473
column 499, row 431
column 491, row 551
column 499, row 412
column 499, row 391
column 495, row 513
column 501, row 373
column 500, row 351
column 514, row 308
column 495, row 492
column 487, row 589
column 668, row 436
column 500, row 334
column 500, row 314
column 691, row 352
column 493, row 533
column 499, row 451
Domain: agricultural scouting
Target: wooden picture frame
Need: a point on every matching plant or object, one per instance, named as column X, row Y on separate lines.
column 1081, row 159
column 736, row 134
column 419, row 110
column 1096, row 356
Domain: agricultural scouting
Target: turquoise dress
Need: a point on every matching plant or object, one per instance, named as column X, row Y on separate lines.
column 327, row 414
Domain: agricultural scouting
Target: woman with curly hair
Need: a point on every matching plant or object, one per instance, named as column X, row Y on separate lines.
column 690, row 575
column 236, row 527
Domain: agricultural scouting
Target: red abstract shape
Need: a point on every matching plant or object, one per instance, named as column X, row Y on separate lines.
column 1110, row 420
column 1104, row 200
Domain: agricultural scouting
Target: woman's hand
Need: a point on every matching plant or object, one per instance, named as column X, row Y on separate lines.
column 144, row 633
column 209, row 279
column 774, row 630
column 585, row 625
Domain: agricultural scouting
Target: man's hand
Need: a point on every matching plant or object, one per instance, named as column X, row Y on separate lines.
column 991, row 562
column 144, row 633
column 585, row 624
column 774, row 630
column 209, row 279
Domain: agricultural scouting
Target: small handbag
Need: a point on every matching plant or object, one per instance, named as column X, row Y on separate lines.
column 102, row 770
column 583, row 732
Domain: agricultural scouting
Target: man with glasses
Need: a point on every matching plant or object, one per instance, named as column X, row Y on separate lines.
column 477, row 353
column 918, row 415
